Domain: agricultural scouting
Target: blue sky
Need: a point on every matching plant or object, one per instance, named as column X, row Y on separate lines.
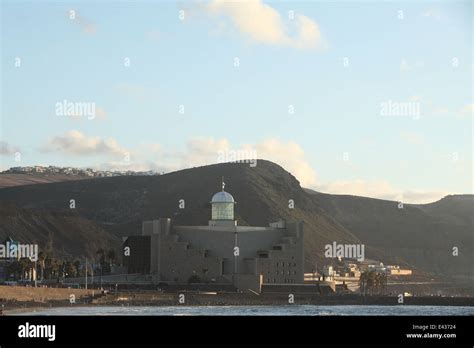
column 334, row 63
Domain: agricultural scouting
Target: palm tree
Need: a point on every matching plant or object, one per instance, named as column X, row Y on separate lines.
column 382, row 282
column 50, row 265
column 101, row 254
column 69, row 269
column 363, row 282
column 42, row 264
column 111, row 256
column 371, row 281
column 377, row 282
column 55, row 268
column 25, row 267
column 77, row 264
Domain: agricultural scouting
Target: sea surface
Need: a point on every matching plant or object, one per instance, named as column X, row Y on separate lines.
column 307, row 310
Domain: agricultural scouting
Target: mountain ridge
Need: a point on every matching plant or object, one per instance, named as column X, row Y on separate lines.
column 117, row 206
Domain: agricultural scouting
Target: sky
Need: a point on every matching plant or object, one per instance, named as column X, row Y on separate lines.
column 352, row 97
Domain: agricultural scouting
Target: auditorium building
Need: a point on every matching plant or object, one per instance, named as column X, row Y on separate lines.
column 221, row 253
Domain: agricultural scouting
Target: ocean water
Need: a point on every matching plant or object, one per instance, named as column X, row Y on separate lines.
column 306, row 310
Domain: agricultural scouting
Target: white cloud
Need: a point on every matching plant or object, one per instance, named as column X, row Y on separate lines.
column 412, row 138
column 205, row 150
column 380, row 189
column 85, row 24
column 376, row 189
column 101, row 113
column 405, row 66
column 291, row 157
column 467, row 110
column 7, row 149
column 431, row 13
column 76, row 143
column 415, row 98
column 261, row 23
column 198, row 151
column 421, row 197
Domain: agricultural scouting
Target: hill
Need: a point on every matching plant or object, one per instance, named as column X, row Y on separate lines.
column 65, row 233
column 420, row 236
column 119, row 204
column 10, row 180
column 454, row 209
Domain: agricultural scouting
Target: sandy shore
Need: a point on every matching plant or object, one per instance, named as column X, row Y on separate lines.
column 22, row 297
column 40, row 294
column 17, row 299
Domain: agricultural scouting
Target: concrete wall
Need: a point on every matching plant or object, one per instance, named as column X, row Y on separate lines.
column 273, row 254
column 291, row 288
column 139, row 259
column 179, row 262
column 248, row 283
column 221, row 243
column 285, row 266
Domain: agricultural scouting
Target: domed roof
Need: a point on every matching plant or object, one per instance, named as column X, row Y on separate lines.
column 222, row 197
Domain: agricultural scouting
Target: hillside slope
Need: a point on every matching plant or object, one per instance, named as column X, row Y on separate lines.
column 421, row 235
column 454, row 209
column 10, row 180
column 64, row 233
column 120, row 204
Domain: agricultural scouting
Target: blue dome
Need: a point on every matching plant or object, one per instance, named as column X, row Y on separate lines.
column 222, row 197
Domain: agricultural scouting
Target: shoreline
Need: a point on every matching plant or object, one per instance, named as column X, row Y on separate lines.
column 153, row 299
column 33, row 311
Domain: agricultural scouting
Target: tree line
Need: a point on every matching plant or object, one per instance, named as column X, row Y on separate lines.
column 49, row 267
column 373, row 282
